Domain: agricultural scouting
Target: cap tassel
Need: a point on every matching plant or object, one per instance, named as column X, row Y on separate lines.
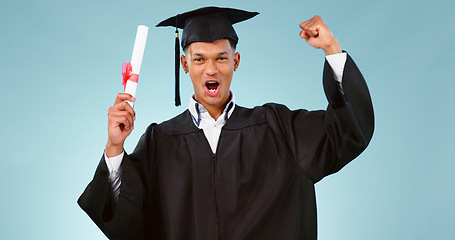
column 177, row 69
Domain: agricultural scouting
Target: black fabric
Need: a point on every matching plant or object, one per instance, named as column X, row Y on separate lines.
column 207, row 24
column 259, row 184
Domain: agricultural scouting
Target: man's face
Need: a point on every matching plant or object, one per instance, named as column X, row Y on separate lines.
column 211, row 66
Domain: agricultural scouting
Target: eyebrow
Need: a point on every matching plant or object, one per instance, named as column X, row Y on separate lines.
column 201, row 55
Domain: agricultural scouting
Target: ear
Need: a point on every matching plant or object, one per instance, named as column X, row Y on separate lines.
column 236, row 60
column 184, row 63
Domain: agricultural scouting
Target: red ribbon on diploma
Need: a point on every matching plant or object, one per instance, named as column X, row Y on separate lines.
column 127, row 73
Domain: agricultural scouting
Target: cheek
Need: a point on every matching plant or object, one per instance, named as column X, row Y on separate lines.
column 227, row 69
column 229, row 74
column 194, row 70
column 228, row 85
column 195, row 82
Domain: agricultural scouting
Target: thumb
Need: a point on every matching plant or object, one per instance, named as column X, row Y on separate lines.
column 304, row 35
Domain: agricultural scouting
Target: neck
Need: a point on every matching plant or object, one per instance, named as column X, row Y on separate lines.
column 215, row 111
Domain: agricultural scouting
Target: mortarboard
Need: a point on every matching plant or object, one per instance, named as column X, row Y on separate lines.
column 206, row 24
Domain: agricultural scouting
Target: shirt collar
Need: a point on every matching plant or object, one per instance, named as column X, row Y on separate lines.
column 196, row 109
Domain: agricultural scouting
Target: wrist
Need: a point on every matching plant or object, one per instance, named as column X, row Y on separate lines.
column 333, row 48
column 113, row 150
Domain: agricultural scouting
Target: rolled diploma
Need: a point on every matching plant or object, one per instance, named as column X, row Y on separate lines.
column 136, row 59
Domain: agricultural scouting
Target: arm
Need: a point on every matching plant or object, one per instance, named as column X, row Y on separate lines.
column 121, row 118
column 322, row 142
column 100, row 199
column 115, row 173
column 318, row 35
column 135, row 214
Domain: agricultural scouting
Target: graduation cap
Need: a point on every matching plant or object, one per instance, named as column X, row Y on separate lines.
column 206, row 24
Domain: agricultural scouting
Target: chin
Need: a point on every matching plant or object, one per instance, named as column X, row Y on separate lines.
column 216, row 100
column 213, row 102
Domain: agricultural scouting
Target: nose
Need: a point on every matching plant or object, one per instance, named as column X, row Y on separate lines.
column 211, row 68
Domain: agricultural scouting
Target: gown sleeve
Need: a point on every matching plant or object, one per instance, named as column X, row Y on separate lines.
column 323, row 142
column 129, row 217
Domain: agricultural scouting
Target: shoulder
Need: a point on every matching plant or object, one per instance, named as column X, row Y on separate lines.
column 178, row 125
column 244, row 117
column 277, row 110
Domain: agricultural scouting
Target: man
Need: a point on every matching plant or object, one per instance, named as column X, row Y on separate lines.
column 221, row 171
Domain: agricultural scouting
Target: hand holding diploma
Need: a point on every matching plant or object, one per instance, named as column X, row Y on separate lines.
column 121, row 115
column 121, row 118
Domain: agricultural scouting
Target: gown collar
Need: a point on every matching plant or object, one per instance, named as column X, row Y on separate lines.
column 196, row 109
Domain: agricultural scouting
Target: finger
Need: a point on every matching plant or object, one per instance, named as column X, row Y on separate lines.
column 304, row 35
column 317, row 24
column 121, row 119
column 309, row 33
column 123, row 109
column 310, row 28
column 308, row 23
column 124, row 96
column 302, row 25
column 125, row 106
column 305, row 25
column 314, row 30
column 128, row 122
column 122, row 106
column 121, row 126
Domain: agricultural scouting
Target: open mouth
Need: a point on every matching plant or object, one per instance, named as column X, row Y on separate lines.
column 212, row 86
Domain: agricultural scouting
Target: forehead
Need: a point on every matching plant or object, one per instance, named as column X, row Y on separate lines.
column 218, row 46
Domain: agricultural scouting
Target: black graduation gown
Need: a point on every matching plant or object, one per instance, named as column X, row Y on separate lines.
column 259, row 184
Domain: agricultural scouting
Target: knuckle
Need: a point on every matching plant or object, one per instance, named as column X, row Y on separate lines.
column 124, row 103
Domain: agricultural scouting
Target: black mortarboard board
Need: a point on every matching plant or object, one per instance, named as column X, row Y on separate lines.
column 206, row 24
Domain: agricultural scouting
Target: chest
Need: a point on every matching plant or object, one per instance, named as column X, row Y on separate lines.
column 246, row 158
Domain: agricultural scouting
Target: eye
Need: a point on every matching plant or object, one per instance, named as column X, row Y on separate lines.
column 222, row 58
column 198, row 59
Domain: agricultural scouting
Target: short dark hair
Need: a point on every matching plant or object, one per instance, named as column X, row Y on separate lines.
column 231, row 42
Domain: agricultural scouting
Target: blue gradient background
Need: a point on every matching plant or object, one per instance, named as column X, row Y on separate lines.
column 61, row 63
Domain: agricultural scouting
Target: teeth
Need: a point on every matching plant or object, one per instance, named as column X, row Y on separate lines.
column 210, row 86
